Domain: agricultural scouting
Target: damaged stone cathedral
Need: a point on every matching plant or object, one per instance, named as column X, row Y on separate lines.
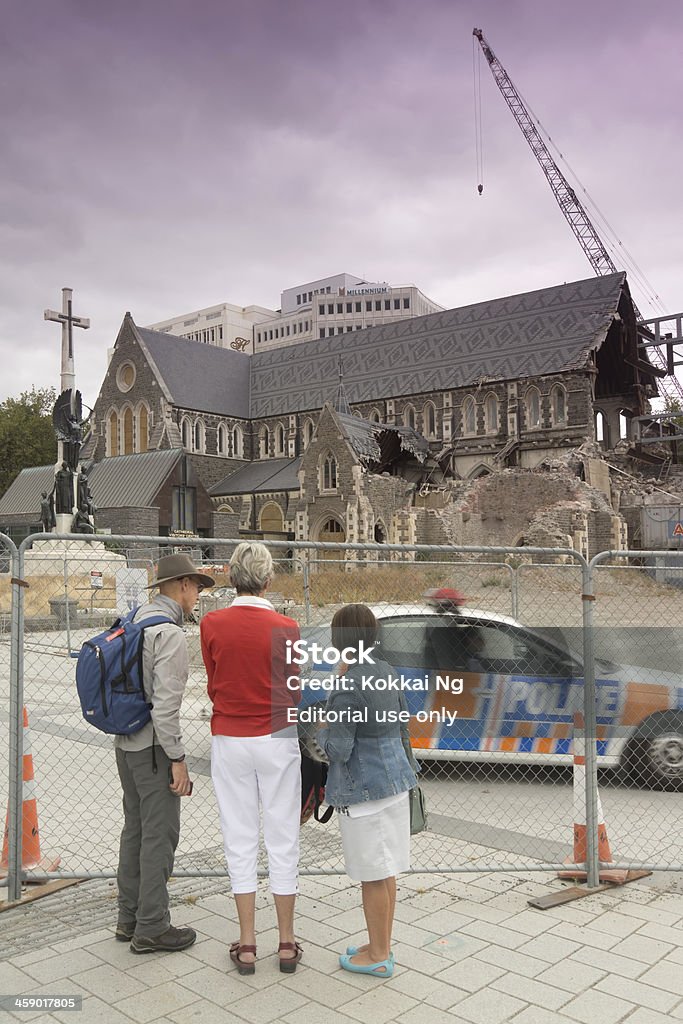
column 477, row 425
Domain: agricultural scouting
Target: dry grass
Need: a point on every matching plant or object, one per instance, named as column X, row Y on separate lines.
column 367, row 585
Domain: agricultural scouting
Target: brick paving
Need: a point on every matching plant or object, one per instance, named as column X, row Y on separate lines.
column 468, row 950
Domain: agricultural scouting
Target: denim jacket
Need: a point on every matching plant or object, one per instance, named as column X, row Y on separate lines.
column 368, row 759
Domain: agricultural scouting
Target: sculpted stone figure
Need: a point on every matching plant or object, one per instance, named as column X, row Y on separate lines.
column 64, row 490
column 47, row 512
column 85, row 499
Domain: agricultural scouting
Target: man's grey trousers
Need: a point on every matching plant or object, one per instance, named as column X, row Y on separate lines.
column 148, row 840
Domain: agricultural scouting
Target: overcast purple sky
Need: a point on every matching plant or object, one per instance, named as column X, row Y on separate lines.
column 163, row 155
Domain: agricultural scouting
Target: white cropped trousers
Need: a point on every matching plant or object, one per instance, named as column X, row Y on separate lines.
column 248, row 772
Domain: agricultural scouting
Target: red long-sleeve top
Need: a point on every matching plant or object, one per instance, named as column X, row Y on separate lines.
column 250, row 684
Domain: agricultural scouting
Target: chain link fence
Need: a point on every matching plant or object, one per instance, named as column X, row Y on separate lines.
column 492, row 691
column 638, row 640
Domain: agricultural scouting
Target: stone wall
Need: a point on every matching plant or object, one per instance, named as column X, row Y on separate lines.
column 142, row 521
column 387, row 496
column 320, row 504
column 145, row 389
column 225, row 525
column 211, row 470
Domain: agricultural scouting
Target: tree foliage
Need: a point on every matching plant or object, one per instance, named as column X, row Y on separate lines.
column 26, row 434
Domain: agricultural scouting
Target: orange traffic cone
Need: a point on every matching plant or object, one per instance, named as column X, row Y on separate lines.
column 30, row 848
column 609, row 874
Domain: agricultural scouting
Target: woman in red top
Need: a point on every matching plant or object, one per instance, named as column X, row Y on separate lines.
column 254, row 747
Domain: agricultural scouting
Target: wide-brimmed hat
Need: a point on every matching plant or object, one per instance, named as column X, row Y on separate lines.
column 174, row 567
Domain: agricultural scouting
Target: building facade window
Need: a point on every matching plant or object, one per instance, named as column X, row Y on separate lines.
column 532, row 401
column 558, row 403
column 184, row 509
column 128, row 432
column 222, row 439
column 143, row 428
column 469, row 417
column 199, row 436
column 113, row 434
column 271, row 519
column 429, row 419
column 125, row 377
column 375, row 416
column 186, row 434
column 307, row 432
column 601, row 429
column 328, row 474
column 409, row 416
column 237, row 443
column 406, row 303
column 491, row 414
column 264, row 443
column 279, row 439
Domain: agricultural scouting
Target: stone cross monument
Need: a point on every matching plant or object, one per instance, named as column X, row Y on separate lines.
column 68, row 424
column 68, row 321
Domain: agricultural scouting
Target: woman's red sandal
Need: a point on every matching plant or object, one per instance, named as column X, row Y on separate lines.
column 288, row 964
column 242, row 967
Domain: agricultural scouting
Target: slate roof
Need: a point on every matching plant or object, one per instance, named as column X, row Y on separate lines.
column 363, row 437
column 121, row 482
column 201, row 377
column 23, row 494
column 534, row 333
column 265, row 475
column 132, row 480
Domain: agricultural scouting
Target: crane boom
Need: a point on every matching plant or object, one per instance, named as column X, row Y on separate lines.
column 566, row 197
column 569, row 203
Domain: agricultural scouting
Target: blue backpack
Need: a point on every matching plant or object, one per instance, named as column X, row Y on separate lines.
column 109, row 676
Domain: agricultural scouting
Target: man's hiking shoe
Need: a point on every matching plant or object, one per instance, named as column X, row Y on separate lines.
column 170, row 941
column 124, row 932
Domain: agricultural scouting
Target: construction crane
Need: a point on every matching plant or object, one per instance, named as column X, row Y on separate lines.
column 574, row 212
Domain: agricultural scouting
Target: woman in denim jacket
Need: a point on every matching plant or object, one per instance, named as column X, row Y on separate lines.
column 366, row 740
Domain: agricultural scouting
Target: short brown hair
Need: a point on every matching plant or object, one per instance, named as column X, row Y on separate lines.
column 351, row 624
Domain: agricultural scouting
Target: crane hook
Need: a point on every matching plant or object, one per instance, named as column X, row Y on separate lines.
column 480, row 189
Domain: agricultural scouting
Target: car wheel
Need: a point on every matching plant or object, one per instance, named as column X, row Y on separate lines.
column 656, row 755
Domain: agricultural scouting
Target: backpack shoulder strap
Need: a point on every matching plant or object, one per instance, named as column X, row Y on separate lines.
column 155, row 620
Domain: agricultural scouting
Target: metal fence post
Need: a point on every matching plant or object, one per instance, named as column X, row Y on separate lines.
column 16, row 732
column 514, row 588
column 590, row 719
column 307, row 586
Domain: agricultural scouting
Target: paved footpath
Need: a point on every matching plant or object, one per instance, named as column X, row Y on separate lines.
column 468, row 950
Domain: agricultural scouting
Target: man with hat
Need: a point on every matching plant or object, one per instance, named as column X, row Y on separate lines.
column 152, row 769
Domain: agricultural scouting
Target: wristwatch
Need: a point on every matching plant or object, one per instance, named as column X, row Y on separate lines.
column 176, row 760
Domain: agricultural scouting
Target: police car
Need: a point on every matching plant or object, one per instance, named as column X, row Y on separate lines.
column 482, row 687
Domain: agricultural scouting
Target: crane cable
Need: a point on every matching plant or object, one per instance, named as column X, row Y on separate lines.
column 478, row 142
column 612, row 242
